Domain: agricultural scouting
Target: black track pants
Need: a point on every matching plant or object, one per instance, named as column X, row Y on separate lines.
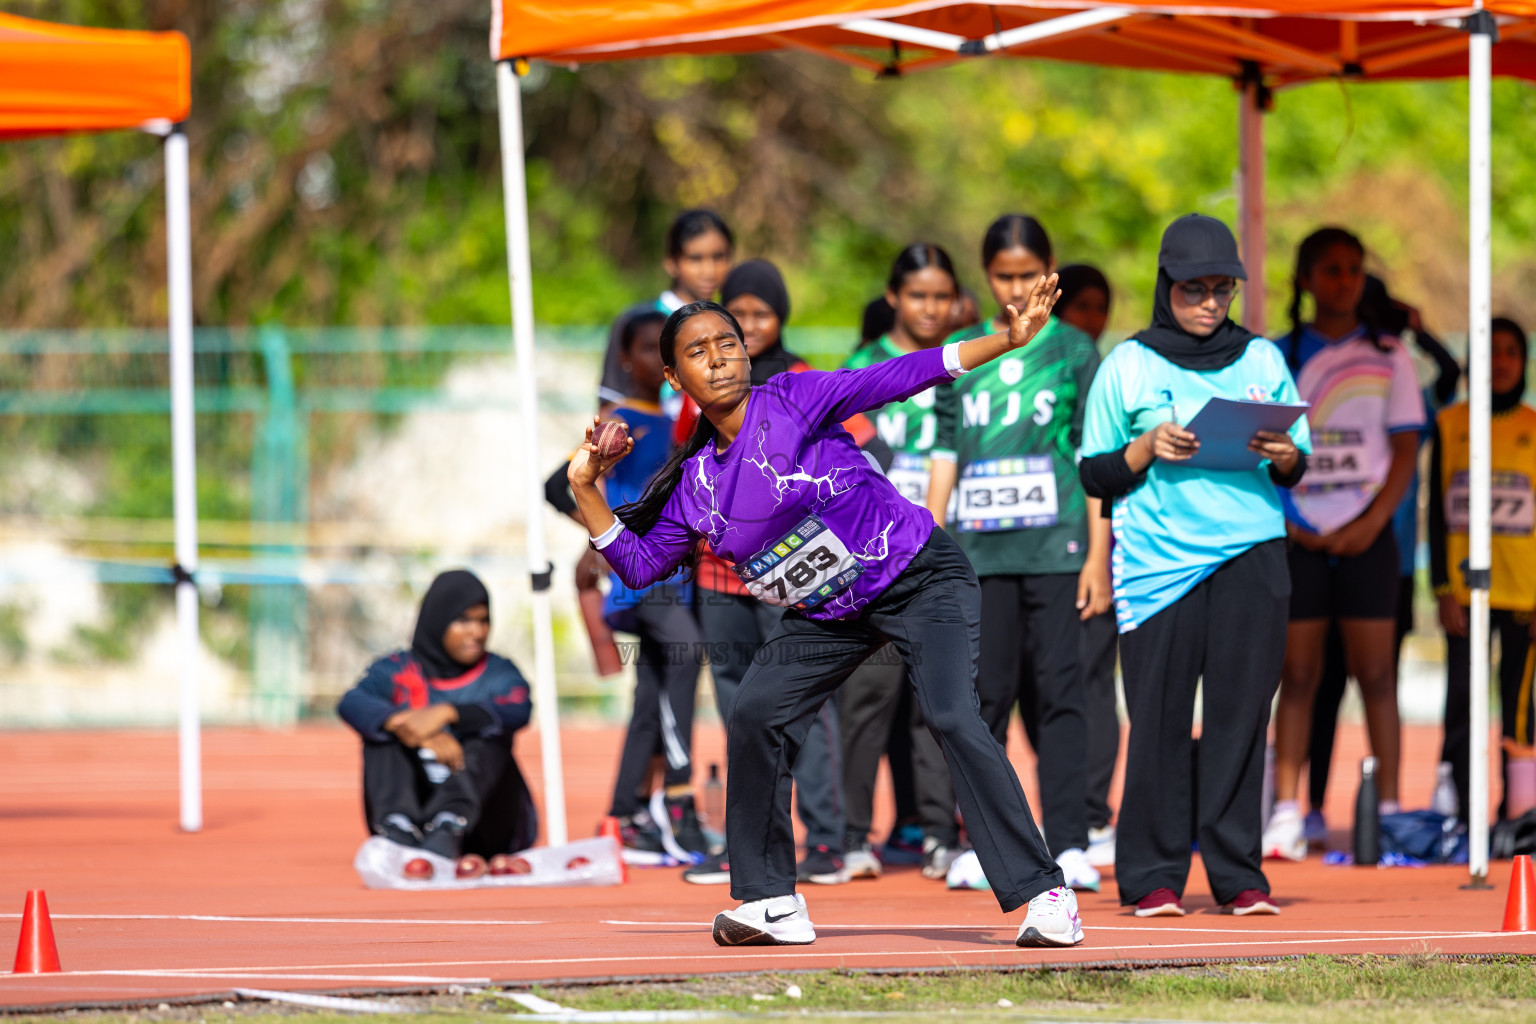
column 489, row 793
column 735, row 627
column 1512, row 630
column 666, row 682
column 932, row 615
column 871, row 706
column 1096, row 660
column 1030, row 636
column 1230, row 629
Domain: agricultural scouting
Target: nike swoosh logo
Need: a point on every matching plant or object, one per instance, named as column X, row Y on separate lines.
column 775, row 919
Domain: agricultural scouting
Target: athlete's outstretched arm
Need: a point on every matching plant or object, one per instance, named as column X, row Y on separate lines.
column 833, row 397
column 1023, row 325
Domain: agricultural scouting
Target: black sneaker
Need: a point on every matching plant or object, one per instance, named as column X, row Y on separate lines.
column 712, row 870
column 445, row 835
column 822, row 867
column 685, row 825
column 400, row 830
column 640, row 834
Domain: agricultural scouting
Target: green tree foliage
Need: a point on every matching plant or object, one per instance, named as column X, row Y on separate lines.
column 346, row 170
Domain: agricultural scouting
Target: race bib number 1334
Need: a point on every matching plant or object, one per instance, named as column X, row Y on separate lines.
column 1007, row 494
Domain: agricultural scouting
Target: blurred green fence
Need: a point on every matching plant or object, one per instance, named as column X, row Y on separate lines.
column 338, row 470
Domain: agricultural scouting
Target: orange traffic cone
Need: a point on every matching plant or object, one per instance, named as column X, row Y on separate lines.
column 36, row 952
column 610, row 830
column 1520, row 911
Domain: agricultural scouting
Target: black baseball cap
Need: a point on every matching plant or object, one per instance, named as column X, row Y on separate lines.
column 1196, row 245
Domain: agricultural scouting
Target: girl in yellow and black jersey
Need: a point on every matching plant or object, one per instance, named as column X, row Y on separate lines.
column 1512, row 593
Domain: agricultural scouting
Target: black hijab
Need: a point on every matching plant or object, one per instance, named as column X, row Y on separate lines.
column 1509, row 399
column 449, row 596
column 762, row 279
column 1195, row 246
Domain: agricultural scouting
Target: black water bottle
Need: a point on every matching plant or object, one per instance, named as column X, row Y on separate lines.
column 1368, row 817
column 714, row 800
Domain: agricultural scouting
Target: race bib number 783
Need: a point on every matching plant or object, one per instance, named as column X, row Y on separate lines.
column 810, row 565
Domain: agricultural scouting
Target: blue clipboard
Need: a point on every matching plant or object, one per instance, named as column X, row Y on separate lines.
column 1224, row 428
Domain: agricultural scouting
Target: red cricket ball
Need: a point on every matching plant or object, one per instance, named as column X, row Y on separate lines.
column 502, row 864
column 471, row 865
column 417, row 869
column 610, row 438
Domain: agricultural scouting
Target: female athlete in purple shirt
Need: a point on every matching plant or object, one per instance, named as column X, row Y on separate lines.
column 779, row 488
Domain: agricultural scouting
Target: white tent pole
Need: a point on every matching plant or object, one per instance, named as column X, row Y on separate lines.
column 1481, row 27
column 178, row 234
column 520, row 275
column 1250, row 200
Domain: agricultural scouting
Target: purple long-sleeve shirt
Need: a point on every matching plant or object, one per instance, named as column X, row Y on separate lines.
column 809, row 520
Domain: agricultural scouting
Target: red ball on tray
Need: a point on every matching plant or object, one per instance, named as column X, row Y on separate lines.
column 417, row 869
column 506, row 864
column 610, row 438
column 470, row 866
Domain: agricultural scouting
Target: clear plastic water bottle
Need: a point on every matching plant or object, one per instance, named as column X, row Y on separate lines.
column 714, row 800
column 1368, row 817
column 1445, row 800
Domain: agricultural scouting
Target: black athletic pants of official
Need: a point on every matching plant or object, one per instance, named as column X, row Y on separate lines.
column 667, row 662
column 735, row 627
column 489, row 793
column 871, row 705
column 1229, row 629
column 1030, row 640
column 1513, row 632
column 932, row 615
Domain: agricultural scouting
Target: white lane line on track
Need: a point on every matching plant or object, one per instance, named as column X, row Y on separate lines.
column 727, row 955
column 1247, row 932
column 279, row 920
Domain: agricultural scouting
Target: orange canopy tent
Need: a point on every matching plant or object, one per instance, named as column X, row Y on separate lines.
column 1263, row 46
column 59, row 78
column 56, row 79
column 1289, row 39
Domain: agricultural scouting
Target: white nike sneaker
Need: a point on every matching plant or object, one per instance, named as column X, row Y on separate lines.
column 1285, row 836
column 776, row 921
column 1079, row 874
column 861, row 862
column 966, row 873
column 1052, row 920
column 1101, row 846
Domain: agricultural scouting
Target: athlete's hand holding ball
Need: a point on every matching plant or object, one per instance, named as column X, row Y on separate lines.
column 606, row 443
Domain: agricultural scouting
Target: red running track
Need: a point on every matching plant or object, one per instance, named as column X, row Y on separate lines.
column 265, row 897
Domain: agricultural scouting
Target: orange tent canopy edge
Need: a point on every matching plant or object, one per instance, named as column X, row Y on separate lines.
column 1290, row 40
column 62, row 78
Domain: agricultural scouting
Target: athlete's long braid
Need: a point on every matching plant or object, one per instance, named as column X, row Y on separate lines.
column 642, row 514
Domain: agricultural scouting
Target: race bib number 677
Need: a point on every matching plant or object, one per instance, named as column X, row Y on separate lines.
column 1513, row 512
column 810, row 565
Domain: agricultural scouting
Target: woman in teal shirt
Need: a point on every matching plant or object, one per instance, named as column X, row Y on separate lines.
column 1200, row 579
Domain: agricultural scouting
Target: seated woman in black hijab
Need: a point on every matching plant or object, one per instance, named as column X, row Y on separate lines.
column 437, row 723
